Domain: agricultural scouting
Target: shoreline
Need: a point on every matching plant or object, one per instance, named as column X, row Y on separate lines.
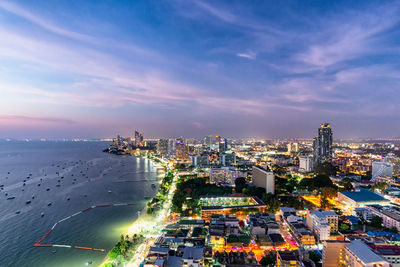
column 135, row 227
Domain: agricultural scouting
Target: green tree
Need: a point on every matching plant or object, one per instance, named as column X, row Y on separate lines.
column 114, row 253
column 376, row 221
column 268, row 260
column 240, row 183
column 346, row 183
column 379, row 186
column 328, row 192
column 272, row 202
column 314, row 256
column 326, row 168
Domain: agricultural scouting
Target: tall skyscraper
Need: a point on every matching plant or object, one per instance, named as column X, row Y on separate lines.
column 323, row 144
column 138, row 139
column 162, row 147
column 207, row 142
column 222, row 144
column 181, row 149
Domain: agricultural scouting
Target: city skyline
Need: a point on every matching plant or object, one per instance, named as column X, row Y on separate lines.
column 261, row 69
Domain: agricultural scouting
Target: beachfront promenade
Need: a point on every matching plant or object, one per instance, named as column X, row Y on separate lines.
column 150, row 226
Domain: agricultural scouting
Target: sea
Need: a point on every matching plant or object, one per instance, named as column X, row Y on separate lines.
column 50, row 181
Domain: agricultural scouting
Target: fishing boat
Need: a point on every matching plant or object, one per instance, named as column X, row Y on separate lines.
column 28, row 202
column 49, row 204
column 10, row 198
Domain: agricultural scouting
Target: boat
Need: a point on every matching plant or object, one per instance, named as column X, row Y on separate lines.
column 147, row 197
column 41, row 214
column 23, row 184
column 49, row 204
column 33, row 197
column 68, row 199
column 38, row 185
column 28, row 202
column 89, row 262
column 109, row 191
column 48, row 189
column 58, row 185
column 17, row 212
column 10, row 198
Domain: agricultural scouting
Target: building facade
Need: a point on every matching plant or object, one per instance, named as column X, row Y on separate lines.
column 323, row 144
column 384, row 169
column 264, row 178
column 305, row 164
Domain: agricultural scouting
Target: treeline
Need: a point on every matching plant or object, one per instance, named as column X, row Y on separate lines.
column 188, row 193
column 162, row 194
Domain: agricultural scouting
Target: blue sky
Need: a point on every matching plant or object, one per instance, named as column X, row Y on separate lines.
column 272, row 69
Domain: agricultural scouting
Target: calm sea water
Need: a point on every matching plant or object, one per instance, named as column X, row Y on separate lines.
column 96, row 173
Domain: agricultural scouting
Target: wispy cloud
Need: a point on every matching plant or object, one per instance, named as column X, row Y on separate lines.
column 249, row 55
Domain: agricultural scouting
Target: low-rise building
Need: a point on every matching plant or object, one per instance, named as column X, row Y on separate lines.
column 333, row 253
column 390, row 252
column 322, row 223
column 358, row 254
column 389, row 214
column 224, row 175
column 361, row 198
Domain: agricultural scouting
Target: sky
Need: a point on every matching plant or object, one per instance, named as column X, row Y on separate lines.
column 264, row 69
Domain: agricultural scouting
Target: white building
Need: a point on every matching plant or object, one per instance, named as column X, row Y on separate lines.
column 384, row 169
column 358, row 254
column 322, row 223
column 264, row 178
column 306, row 164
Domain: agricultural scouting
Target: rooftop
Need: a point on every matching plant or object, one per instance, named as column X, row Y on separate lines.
column 364, row 252
column 385, row 249
column 192, row 253
column 363, row 196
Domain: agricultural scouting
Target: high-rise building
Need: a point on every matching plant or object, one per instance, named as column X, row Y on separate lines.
column 306, row 164
column 222, row 144
column 292, row 147
column 264, row 178
column 162, row 147
column 181, row 151
column 383, row 169
column 323, row 144
column 226, row 159
column 138, row 139
column 392, row 158
column 207, row 142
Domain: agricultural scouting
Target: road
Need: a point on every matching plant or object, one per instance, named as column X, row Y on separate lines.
column 151, row 227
